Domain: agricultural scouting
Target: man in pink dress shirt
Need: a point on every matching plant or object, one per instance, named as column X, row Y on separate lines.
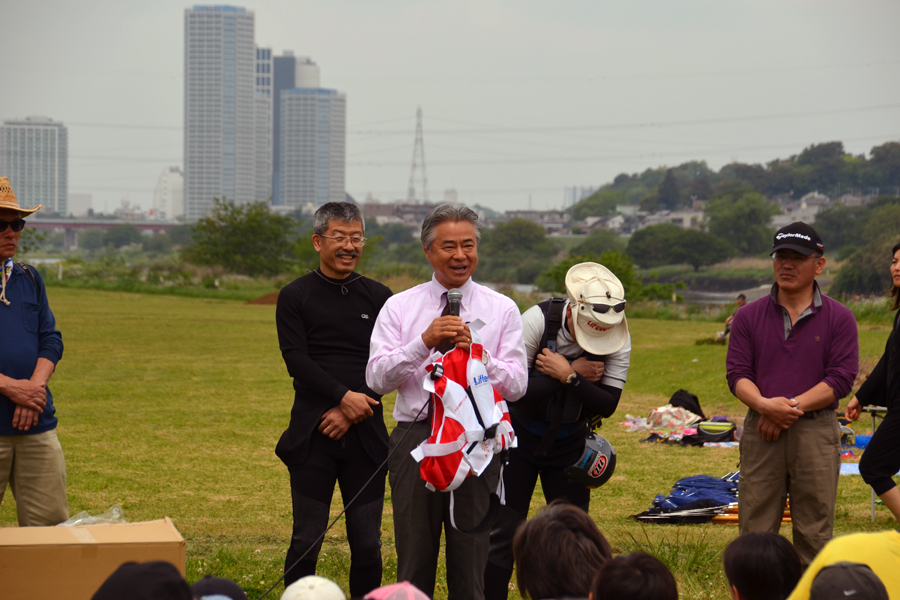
column 407, row 337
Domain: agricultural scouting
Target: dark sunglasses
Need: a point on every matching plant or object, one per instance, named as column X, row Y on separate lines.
column 604, row 308
column 17, row 225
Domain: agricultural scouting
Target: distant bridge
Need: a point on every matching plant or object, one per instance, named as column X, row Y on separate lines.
column 72, row 226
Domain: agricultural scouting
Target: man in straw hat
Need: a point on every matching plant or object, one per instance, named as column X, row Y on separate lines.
column 31, row 459
column 575, row 375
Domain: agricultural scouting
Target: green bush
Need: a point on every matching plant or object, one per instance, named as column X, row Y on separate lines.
column 554, row 278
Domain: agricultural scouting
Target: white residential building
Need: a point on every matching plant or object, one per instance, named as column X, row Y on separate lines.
column 313, row 133
column 686, row 219
column 168, row 198
column 34, row 154
column 219, row 91
column 289, row 72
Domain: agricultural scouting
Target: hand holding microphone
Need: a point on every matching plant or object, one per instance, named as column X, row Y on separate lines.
column 454, row 299
column 448, row 330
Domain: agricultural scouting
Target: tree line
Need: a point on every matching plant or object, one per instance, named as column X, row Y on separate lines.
column 826, row 168
column 250, row 240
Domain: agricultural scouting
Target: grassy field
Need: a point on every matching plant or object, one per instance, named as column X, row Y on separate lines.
column 172, row 406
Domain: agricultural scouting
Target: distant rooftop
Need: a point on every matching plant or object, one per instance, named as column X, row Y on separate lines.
column 311, row 92
column 33, row 120
column 219, row 8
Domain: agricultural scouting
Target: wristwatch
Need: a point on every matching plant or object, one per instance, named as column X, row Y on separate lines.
column 572, row 377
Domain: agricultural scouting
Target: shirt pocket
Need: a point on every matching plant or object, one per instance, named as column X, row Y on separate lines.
column 30, row 316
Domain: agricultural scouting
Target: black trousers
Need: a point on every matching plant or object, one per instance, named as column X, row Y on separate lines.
column 312, row 487
column 881, row 460
column 520, row 476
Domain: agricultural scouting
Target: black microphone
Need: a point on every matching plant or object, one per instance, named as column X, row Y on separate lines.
column 454, row 297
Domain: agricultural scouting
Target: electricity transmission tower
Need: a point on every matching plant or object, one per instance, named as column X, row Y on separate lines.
column 418, row 156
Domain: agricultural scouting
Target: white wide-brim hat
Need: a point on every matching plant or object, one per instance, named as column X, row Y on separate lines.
column 589, row 284
column 313, row 587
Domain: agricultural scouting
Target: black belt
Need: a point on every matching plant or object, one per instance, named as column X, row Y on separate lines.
column 811, row 414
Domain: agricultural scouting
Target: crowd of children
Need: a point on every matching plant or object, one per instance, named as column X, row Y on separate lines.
column 561, row 553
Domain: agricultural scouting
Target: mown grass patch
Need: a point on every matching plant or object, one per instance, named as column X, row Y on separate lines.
column 172, row 406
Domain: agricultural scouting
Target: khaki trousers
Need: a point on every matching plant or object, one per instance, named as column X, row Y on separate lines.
column 804, row 461
column 34, row 467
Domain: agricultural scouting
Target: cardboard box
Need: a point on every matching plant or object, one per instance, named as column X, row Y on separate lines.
column 70, row 563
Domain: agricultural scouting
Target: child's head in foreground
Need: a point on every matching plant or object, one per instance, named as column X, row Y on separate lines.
column 761, row 566
column 636, row 576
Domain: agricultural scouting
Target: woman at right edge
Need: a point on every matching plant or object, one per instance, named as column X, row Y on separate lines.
column 881, row 460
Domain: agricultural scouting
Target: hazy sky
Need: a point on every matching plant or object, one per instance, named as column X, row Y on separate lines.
column 520, row 98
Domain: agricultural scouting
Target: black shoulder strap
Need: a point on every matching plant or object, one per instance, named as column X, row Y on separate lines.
column 28, row 272
column 31, row 276
column 553, row 314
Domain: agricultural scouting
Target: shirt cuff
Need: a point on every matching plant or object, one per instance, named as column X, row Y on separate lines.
column 51, row 355
column 340, row 390
column 417, row 350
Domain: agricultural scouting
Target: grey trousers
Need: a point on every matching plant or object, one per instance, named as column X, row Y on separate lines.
column 805, row 460
column 420, row 515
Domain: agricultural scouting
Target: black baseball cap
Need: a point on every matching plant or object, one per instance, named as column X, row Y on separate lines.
column 799, row 237
column 212, row 586
column 155, row 580
column 847, row 581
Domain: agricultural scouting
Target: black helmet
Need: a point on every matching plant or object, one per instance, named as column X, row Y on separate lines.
column 596, row 465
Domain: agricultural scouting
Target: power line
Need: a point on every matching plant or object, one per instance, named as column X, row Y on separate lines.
column 480, row 128
column 596, row 158
column 124, row 126
column 126, row 159
column 607, row 77
column 172, row 128
column 636, row 125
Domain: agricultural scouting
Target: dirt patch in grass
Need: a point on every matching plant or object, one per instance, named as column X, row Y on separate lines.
column 265, row 299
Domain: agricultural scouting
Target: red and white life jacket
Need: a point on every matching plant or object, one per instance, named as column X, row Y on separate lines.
column 470, row 420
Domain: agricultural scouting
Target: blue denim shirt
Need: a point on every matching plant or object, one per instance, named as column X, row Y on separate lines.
column 27, row 332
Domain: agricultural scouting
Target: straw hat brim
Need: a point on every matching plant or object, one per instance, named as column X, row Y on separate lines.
column 23, row 212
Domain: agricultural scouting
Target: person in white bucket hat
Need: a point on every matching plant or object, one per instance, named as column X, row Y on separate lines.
column 579, row 351
column 597, row 299
column 313, row 587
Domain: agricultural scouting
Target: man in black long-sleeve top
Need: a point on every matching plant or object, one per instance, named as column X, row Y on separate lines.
column 337, row 431
column 577, row 375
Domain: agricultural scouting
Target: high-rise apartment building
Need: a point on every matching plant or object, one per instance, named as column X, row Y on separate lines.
column 289, row 72
column 262, row 126
column 219, row 115
column 313, row 132
column 34, row 154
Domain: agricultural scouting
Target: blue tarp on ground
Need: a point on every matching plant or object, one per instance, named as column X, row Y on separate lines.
column 698, row 487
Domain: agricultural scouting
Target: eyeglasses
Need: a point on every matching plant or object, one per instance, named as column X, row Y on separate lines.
column 781, row 259
column 604, row 308
column 17, row 225
column 342, row 239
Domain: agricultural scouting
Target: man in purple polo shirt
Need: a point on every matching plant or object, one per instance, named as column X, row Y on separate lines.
column 792, row 355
